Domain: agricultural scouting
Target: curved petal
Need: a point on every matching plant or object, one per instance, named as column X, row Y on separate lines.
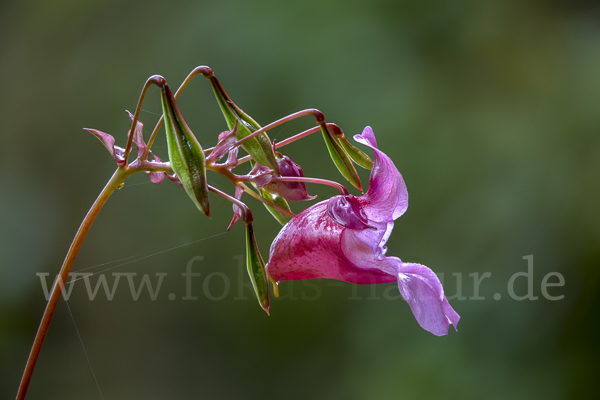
column 309, row 246
column 419, row 285
column 387, row 197
column 232, row 160
column 224, row 145
column 363, row 247
column 261, row 175
column 237, row 212
column 423, row 292
column 347, row 211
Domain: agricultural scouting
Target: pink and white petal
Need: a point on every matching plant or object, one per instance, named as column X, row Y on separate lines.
column 364, row 247
column 309, row 247
column 232, row 159
column 387, row 197
column 382, row 249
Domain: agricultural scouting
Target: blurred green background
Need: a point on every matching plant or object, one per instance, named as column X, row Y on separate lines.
column 490, row 110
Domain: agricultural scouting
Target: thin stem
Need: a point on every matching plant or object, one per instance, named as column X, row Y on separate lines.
column 287, row 141
column 226, row 171
column 147, row 166
column 248, row 218
column 204, row 70
column 311, row 111
column 299, row 136
column 118, row 177
column 318, row 181
column 267, row 202
column 156, row 80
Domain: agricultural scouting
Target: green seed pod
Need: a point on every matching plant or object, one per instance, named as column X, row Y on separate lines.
column 356, row 154
column 185, row 153
column 280, row 201
column 256, row 269
column 340, row 158
column 260, row 148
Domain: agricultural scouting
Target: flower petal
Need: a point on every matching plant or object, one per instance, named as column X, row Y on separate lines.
column 387, row 197
column 157, row 177
column 346, row 211
column 232, row 159
column 309, row 247
column 364, row 248
column 138, row 135
column 423, row 292
column 292, row 191
column 107, row 140
column 260, row 175
column 419, row 285
column 225, row 143
column 237, row 212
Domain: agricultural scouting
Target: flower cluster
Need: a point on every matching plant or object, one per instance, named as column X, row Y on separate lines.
column 340, row 238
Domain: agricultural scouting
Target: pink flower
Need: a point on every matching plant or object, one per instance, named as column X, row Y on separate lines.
column 344, row 238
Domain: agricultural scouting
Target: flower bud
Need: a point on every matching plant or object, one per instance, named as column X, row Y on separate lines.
column 256, row 269
column 280, row 201
column 340, row 158
column 260, row 147
column 292, row 191
column 357, row 155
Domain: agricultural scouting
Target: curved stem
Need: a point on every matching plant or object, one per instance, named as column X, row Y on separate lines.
column 286, row 141
column 204, row 70
column 118, row 177
column 311, row 111
column 318, row 181
column 247, row 214
column 299, row 136
column 225, row 171
column 153, row 80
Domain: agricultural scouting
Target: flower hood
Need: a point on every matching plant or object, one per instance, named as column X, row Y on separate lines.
column 344, row 238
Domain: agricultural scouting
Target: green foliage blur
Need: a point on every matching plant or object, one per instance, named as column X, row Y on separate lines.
column 490, row 110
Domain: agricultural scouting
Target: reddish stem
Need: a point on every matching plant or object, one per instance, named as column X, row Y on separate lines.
column 118, row 177
column 204, row 70
column 319, row 117
column 247, row 214
column 286, row 141
column 318, row 181
column 153, row 80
